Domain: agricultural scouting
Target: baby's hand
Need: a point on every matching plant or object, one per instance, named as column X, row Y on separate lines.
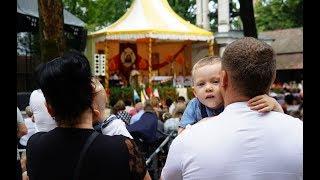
column 264, row 103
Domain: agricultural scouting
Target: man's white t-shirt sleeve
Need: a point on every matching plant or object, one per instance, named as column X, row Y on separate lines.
column 173, row 167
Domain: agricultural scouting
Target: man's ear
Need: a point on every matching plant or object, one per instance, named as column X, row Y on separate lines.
column 223, row 78
column 50, row 110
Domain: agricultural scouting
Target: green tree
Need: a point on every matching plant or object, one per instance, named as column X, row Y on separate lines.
column 279, row 14
column 185, row 9
column 99, row 13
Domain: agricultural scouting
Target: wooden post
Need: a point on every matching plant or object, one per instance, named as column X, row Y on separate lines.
column 210, row 43
column 106, row 79
column 150, row 61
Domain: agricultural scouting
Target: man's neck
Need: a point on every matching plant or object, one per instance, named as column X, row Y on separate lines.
column 232, row 97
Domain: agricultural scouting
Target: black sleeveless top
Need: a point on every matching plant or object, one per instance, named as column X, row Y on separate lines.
column 54, row 155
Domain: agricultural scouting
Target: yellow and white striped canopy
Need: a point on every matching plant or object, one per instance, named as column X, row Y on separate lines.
column 151, row 19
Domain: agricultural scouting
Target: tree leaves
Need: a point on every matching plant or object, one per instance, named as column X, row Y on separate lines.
column 279, row 14
column 97, row 13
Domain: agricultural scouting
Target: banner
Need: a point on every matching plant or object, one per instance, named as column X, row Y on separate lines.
column 135, row 96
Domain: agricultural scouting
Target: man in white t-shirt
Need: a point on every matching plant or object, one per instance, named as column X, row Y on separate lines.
column 43, row 120
column 240, row 143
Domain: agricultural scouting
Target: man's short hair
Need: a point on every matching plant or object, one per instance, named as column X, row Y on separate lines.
column 203, row 62
column 251, row 65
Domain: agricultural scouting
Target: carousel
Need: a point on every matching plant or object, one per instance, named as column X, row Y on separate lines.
column 149, row 40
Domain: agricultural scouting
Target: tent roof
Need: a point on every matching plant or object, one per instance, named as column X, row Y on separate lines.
column 152, row 19
column 30, row 8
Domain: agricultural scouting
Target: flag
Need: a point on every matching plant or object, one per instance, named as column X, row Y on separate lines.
column 156, row 93
column 149, row 92
column 145, row 94
column 143, row 99
column 135, row 95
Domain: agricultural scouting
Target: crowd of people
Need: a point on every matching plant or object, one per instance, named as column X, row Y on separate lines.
column 290, row 96
column 233, row 128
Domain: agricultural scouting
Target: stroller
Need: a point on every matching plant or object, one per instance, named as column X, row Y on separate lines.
column 154, row 152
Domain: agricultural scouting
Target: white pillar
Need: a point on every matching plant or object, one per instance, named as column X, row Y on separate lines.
column 199, row 13
column 223, row 16
column 205, row 15
column 221, row 50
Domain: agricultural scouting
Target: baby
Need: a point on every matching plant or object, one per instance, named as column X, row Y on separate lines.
column 108, row 126
column 208, row 100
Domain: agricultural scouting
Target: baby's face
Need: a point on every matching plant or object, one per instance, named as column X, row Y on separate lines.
column 206, row 85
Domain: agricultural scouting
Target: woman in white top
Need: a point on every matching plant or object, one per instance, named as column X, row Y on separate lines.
column 43, row 120
column 29, row 122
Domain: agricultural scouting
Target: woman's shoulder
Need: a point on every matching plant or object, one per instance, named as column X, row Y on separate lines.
column 116, row 146
column 107, row 139
column 114, row 142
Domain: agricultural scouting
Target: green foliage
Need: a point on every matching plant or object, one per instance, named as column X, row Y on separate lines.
column 118, row 93
column 98, row 13
column 101, row 13
column 168, row 92
column 279, row 14
column 190, row 93
column 185, row 9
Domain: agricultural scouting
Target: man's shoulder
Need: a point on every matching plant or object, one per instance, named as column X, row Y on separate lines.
column 285, row 118
column 194, row 131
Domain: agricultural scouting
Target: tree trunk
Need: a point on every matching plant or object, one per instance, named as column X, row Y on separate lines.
column 247, row 18
column 52, row 41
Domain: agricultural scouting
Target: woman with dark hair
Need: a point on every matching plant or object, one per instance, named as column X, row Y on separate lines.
column 73, row 150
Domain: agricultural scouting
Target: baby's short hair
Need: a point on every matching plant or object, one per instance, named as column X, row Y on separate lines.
column 97, row 86
column 209, row 60
column 97, row 99
column 29, row 111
